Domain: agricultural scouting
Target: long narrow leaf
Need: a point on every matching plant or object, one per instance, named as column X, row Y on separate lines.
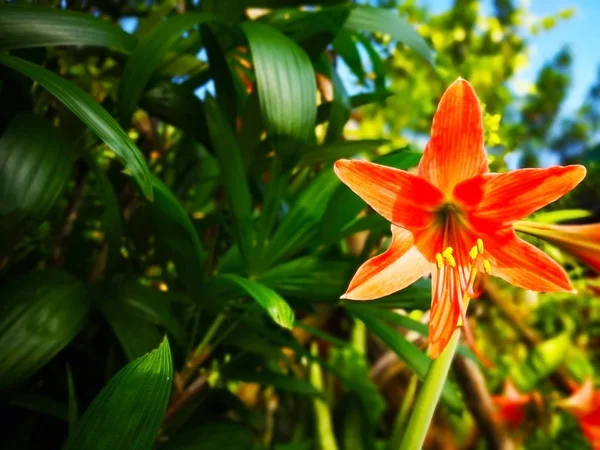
column 91, row 113
column 32, row 26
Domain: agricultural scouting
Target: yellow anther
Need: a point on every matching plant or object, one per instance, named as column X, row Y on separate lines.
column 439, row 260
column 487, row 267
column 479, row 246
column 448, row 256
column 474, row 252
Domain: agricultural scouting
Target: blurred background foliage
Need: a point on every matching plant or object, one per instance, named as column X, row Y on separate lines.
column 174, row 241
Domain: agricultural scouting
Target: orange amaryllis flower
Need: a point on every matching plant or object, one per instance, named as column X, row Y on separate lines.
column 442, row 216
column 511, row 405
column 582, row 241
column 584, row 404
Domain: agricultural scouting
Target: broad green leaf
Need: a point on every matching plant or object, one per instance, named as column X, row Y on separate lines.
column 32, row 26
column 233, row 174
column 267, row 298
column 301, row 224
column 541, row 362
column 213, row 436
column 35, row 166
column 136, row 335
column 286, row 89
column 178, row 106
column 129, row 410
column 356, row 101
column 380, row 20
column 336, row 150
column 345, row 205
column 39, row 315
column 177, row 232
column 279, row 381
column 415, row 296
column 416, row 361
column 309, row 277
column 92, row 114
column 148, row 55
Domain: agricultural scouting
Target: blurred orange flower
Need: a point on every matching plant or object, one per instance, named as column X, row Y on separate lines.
column 442, row 216
column 584, row 404
column 511, row 405
column 582, row 241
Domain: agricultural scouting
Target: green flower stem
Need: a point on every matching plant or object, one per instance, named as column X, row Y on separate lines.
column 402, row 416
column 429, row 396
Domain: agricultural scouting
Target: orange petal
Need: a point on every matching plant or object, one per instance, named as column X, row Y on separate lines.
column 502, row 198
column 400, row 265
column 401, row 197
column 582, row 241
column 523, row 264
column 581, row 402
column 455, row 151
column 445, row 308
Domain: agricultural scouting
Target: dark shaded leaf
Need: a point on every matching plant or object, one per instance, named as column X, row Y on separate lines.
column 129, row 410
column 35, row 165
column 341, row 149
column 92, row 114
column 32, row 26
column 39, row 315
column 178, row 234
column 147, row 56
column 345, row 45
column 279, row 381
column 213, row 436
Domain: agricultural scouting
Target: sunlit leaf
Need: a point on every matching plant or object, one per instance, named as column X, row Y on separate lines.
column 129, row 410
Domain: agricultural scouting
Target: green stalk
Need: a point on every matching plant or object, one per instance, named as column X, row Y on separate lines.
column 402, row 416
column 429, row 396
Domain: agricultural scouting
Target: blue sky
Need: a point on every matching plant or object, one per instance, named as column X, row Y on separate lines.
column 581, row 33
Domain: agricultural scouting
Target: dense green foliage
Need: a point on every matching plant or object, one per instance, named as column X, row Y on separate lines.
column 174, row 242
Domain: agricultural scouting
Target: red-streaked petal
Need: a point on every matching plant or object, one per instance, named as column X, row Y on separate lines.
column 503, row 198
column 399, row 266
column 401, row 197
column 445, row 308
column 455, row 151
column 523, row 264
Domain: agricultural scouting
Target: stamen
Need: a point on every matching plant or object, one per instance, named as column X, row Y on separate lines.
column 439, row 260
column 487, row 266
column 447, row 254
column 480, row 246
column 474, row 252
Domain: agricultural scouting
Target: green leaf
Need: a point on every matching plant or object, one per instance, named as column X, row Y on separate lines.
column 92, row 114
column 136, row 335
column 541, row 362
column 416, row 361
column 35, row 166
column 380, row 20
column 561, row 215
column 415, row 296
column 286, row 88
column 301, row 224
column 73, row 407
column 42, row 405
column 148, row 55
column 268, row 299
column 342, row 149
column 178, row 234
column 129, row 410
column 345, row 46
column 325, row 109
column 40, row 314
column 345, row 205
column 234, row 177
column 178, row 106
column 32, row 26
column 213, row 436
column 309, row 277
column 313, row 30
